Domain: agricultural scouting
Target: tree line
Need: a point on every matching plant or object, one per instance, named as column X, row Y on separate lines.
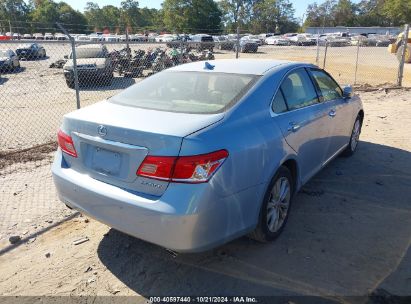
column 198, row 16
column 363, row 13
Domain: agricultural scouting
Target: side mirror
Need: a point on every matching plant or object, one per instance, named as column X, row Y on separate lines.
column 65, row 56
column 348, row 92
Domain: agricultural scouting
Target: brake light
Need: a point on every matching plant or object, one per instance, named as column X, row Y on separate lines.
column 66, row 143
column 159, row 167
column 183, row 169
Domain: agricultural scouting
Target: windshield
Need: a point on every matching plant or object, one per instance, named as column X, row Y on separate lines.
column 187, row 92
column 89, row 53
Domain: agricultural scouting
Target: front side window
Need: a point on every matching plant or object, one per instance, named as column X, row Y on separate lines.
column 187, row 92
column 298, row 90
column 330, row 90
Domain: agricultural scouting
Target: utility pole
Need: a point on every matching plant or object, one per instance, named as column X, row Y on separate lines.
column 404, row 50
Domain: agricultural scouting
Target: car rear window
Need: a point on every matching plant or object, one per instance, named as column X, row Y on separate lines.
column 187, row 92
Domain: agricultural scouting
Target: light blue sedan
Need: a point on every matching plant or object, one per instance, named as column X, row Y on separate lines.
column 202, row 153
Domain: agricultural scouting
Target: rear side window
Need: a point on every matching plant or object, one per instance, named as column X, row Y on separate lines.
column 330, row 90
column 298, row 90
column 279, row 105
column 187, row 92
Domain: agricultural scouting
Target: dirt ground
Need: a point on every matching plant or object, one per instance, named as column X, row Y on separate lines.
column 36, row 97
column 349, row 234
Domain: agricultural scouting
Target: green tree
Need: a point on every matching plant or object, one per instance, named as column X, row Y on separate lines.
column 397, row 12
column 344, row 13
column 45, row 12
column 370, row 13
column 237, row 13
column 273, row 16
column 130, row 13
column 74, row 20
column 15, row 11
column 202, row 16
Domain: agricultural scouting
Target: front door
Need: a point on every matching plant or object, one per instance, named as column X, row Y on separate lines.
column 304, row 123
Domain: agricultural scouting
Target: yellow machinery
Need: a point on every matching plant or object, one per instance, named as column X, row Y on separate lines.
column 397, row 48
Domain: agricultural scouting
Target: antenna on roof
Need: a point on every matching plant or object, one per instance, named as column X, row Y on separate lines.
column 208, row 66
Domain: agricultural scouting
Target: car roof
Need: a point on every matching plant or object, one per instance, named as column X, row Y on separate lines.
column 234, row 66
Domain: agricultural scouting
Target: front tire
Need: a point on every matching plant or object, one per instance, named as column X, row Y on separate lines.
column 354, row 139
column 275, row 208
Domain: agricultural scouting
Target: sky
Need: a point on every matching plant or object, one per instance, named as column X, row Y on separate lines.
column 299, row 5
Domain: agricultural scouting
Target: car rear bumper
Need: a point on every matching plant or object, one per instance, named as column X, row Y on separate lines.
column 186, row 218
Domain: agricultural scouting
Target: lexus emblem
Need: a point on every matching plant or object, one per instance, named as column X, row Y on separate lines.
column 102, row 130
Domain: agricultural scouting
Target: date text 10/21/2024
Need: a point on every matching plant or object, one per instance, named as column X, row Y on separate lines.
column 200, row 299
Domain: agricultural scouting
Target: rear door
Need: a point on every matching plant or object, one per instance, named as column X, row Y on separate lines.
column 303, row 121
column 339, row 113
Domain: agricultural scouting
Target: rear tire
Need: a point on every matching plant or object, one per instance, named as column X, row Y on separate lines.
column 354, row 139
column 275, row 208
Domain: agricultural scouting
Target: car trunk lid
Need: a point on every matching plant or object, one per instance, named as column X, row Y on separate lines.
column 112, row 141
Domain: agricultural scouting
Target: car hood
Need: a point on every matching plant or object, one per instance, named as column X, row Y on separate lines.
column 98, row 62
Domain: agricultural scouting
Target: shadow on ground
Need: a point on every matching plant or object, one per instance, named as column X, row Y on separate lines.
column 3, row 80
column 348, row 235
column 14, row 71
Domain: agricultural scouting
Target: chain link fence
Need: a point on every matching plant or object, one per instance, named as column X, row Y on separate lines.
column 41, row 80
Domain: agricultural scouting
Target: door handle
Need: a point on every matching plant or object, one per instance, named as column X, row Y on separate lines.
column 332, row 113
column 293, row 127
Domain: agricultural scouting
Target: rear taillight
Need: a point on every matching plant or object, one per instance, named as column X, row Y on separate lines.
column 159, row 167
column 183, row 169
column 66, row 143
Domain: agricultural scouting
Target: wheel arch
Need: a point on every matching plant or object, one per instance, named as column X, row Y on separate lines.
column 292, row 165
column 361, row 114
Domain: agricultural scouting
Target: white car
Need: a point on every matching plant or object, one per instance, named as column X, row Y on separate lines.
column 110, row 38
column 252, row 38
column 16, row 36
column 60, row 36
column 277, row 40
column 165, row 38
column 48, row 36
column 82, row 38
column 38, row 36
column 302, row 39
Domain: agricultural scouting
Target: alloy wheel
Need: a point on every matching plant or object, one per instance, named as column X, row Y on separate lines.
column 278, row 204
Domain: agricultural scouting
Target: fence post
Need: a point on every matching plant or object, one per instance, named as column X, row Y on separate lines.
column 317, row 58
column 237, row 42
column 325, row 54
column 402, row 62
column 128, row 44
column 73, row 52
column 356, row 63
